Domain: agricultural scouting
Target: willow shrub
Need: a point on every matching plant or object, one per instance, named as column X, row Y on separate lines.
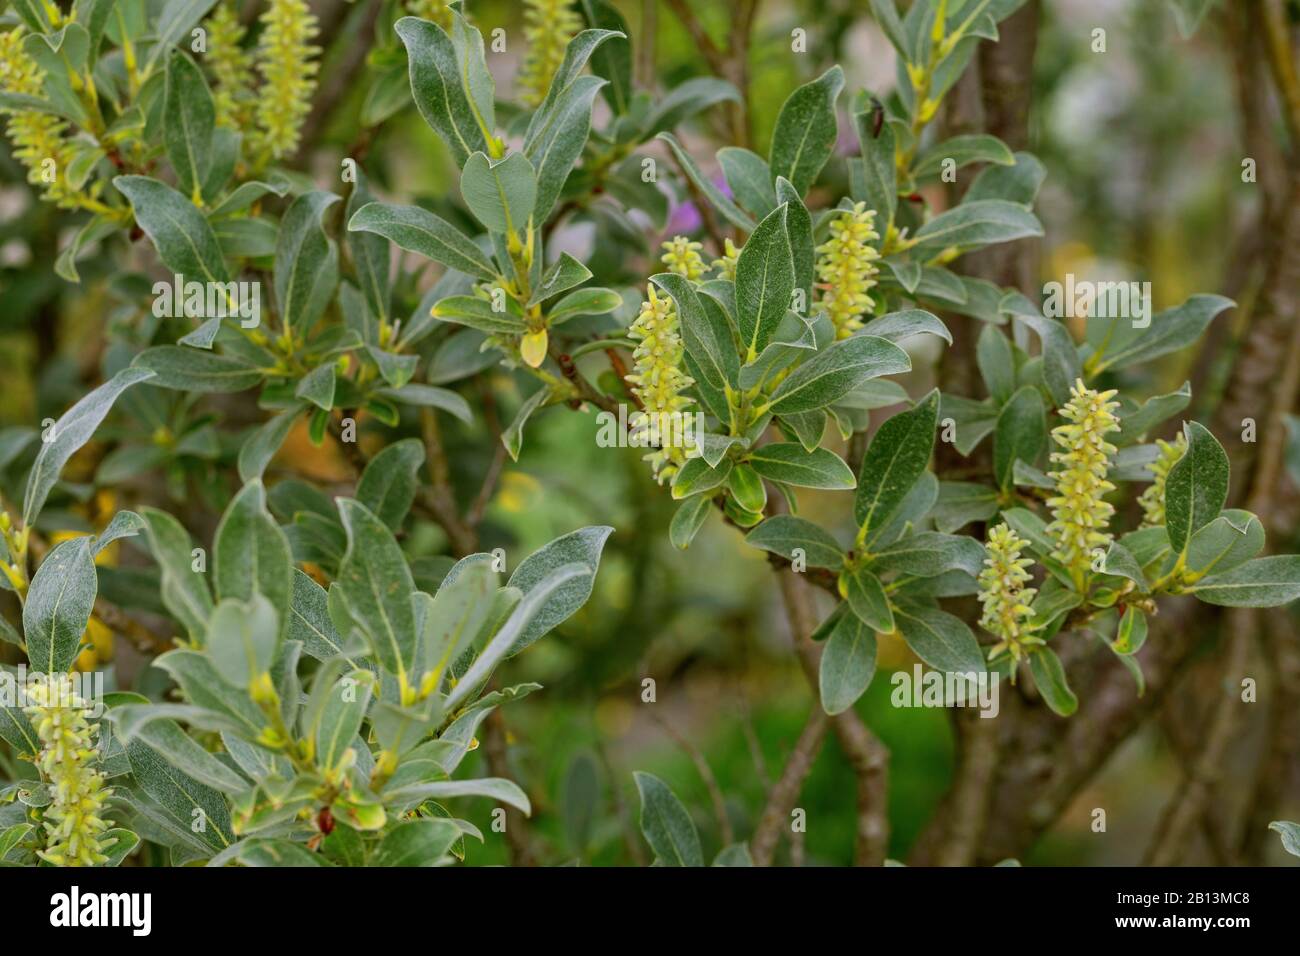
column 323, row 689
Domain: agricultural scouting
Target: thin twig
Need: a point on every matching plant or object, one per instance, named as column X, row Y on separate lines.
column 706, row 774
column 781, row 799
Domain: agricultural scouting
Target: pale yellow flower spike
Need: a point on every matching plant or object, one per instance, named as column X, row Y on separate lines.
column 726, row 266
column 549, row 25
column 232, row 69
column 1004, row 596
column 683, row 257
column 436, row 11
column 38, row 138
column 1081, row 515
column 658, row 379
column 846, row 268
column 285, row 59
column 74, row 822
column 1153, row 499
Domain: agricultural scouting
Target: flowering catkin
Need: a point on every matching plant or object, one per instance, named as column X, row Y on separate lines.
column 436, row 11
column 726, row 266
column 683, row 257
column 658, row 379
column 38, row 139
column 73, row 821
column 1078, row 507
column 846, row 268
column 1153, row 499
column 1004, row 596
column 549, row 25
column 285, row 61
column 231, row 68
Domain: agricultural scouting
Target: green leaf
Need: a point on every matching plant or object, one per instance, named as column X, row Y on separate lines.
column 582, row 547
column 789, row 463
column 73, row 429
column 430, row 397
column 251, row 555
column 1196, row 487
column 455, row 616
column 764, row 282
column 175, row 21
column 961, row 502
column 1261, row 582
column 424, row 842
column 708, row 341
column 837, row 370
column 666, row 825
column 806, row 130
column 1020, row 434
column 867, row 599
column 340, row 717
column 1120, row 562
column 214, row 696
column 388, row 484
column 799, row 229
column 873, row 179
column 897, row 456
column 478, row 313
column 555, row 145
column 438, row 88
column 1231, row 539
column 243, row 638
column 16, row 730
column 375, row 581
column 688, row 519
column 184, row 799
column 997, row 364
column 737, row 854
column 1290, row 833
column 928, row 554
column 189, row 118
column 563, row 274
column 685, row 100
column 1134, row 424
column 750, row 179
column 963, row 150
column 194, row 370
column 500, row 194
column 370, row 257
column 513, row 437
column 981, row 222
column 941, row 640
column 260, row 447
column 1121, row 341
column 1049, row 678
column 720, row 201
column 306, row 262
column 166, row 738
column 784, row 534
column 58, row 605
column 613, row 59
column 309, row 620
column 317, row 386
column 185, row 242
column 1061, row 365
column 395, row 369
column 1132, row 632
column 1018, row 183
column 184, row 590
column 901, row 325
column 848, row 663
column 420, row 231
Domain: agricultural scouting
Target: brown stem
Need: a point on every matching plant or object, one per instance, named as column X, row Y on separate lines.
column 439, row 496
column 781, row 798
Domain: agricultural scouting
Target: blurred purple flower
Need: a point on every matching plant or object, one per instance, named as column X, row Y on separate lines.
column 684, row 219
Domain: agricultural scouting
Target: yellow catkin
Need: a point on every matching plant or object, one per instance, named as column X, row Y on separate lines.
column 1153, row 499
column 1081, row 514
column 232, row 69
column 549, row 25
column 726, row 266
column 74, row 822
column 846, row 268
column 1004, row 596
column 658, row 380
column 683, row 257
column 287, row 64
column 37, row 137
column 436, row 11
